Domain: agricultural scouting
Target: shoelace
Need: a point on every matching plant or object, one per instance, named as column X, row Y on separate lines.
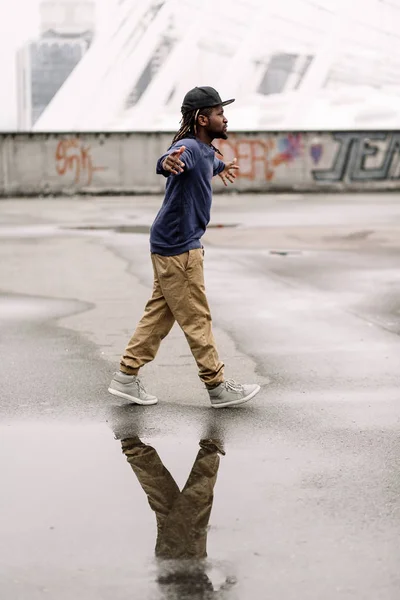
column 140, row 385
column 232, row 385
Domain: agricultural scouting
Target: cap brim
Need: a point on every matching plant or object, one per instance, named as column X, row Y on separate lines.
column 228, row 101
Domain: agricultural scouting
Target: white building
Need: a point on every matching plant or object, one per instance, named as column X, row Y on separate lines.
column 43, row 65
column 293, row 64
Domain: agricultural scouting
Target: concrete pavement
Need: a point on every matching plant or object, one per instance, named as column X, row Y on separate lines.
column 304, row 294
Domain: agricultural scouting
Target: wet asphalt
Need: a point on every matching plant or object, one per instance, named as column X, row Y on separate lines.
column 304, row 293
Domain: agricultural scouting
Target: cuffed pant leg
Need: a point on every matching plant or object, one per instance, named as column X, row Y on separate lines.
column 154, row 478
column 181, row 280
column 153, row 327
column 185, row 529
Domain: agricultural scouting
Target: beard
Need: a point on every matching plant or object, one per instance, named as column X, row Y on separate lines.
column 222, row 135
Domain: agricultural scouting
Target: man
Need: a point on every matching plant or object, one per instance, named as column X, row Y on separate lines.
column 177, row 256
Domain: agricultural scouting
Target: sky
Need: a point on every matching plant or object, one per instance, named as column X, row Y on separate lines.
column 19, row 22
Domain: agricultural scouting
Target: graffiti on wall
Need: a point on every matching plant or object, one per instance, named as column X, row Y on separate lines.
column 371, row 156
column 73, row 156
column 316, row 150
column 261, row 157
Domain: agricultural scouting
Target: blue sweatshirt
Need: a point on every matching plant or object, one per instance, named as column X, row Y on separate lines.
column 185, row 212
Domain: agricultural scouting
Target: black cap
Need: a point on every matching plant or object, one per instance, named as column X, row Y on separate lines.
column 202, row 97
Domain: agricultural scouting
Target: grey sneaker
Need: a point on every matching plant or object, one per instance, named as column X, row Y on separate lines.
column 131, row 388
column 230, row 393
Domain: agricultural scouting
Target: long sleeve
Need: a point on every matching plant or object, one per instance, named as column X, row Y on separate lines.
column 188, row 157
column 185, row 212
column 218, row 166
column 159, row 169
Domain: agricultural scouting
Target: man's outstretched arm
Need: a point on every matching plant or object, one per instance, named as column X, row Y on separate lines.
column 229, row 173
column 176, row 161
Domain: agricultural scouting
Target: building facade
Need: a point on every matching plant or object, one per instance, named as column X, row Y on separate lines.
column 43, row 65
column 296, row 64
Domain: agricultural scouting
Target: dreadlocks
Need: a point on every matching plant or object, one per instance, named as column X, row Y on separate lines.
column 189, row 122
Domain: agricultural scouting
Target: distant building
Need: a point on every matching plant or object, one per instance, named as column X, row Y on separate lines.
column 308, row 64
column 43, row 66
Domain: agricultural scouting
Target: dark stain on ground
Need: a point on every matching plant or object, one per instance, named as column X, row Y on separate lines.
column 135, row 228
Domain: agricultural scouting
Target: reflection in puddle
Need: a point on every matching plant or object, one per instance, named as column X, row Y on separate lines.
column 182, row 517
column 74, row 521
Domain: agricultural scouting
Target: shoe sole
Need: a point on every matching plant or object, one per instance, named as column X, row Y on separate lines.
column 237, row 402
column 132, row 398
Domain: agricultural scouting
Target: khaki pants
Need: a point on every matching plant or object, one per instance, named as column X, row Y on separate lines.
column 178, row 295
column 182, row 516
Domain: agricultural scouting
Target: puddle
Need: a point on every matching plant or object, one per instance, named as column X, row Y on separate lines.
column 286, row 252
column 116, row 228
column 25, row 308
column 46, row 370
column 144, row 229
column 221, row 225
column 90, row 512
column 41, row 231
column 27, row 231
column 79, row 509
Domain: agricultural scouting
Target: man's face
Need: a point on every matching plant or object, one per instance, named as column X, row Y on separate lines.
column 217, row 124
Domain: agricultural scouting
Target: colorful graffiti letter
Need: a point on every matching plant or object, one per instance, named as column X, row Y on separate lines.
column 73, row 155
column 259, row 158
column 316, row 150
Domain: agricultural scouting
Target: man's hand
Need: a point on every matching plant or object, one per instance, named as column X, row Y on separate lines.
column 173, row 163
column 229, row 173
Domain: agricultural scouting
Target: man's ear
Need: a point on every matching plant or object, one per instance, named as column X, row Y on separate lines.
column 202, row 120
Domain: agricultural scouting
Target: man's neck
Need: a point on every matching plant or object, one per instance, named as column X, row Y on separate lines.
column 204, row 137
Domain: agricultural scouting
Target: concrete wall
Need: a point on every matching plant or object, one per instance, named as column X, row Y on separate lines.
column 98, row 163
